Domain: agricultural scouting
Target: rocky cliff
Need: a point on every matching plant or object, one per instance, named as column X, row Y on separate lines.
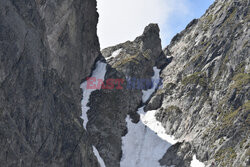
column 47, row 48
column 205, row 100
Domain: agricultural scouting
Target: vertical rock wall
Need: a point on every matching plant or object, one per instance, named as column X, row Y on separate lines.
column 47, row 48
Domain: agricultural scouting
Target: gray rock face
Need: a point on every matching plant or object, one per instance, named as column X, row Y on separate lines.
column 71, row 37
column 206, row 86
column 179, row 155
column 47, row 48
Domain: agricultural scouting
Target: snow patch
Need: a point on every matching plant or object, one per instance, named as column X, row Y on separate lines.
column 196, row 163
column 99, row 158
column 141, row 147
column 146, row 142
column 150, row 121
column 155, row 79
column 98, row 73
column 114, row 54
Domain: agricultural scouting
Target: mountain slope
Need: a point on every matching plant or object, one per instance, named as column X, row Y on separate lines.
column 205, row 101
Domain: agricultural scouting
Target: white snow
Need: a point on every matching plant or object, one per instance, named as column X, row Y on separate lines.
column 146, row 142
column 196, row 163
column 150, row 121
column 142, row 147
column 99, row 158
column 156, row 78
column 114, row 54
column 98, row 73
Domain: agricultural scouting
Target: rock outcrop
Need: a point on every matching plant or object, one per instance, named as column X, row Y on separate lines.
column 206, row 86
column 110, row 107
column 47, row 48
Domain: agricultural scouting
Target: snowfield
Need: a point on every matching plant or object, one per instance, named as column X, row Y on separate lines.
column 146, row 142
column 143, row 146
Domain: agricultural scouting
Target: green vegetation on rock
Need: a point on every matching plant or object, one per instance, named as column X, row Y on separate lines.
column 126, row 60
column 195, row 78
column 221, row 141
column 240, row 80
column 230, row 18
column 226, row 156
column 228, row 117
column 173, row 109
column 170, row 85
column 146, row 54
column 208, row 21
column 242, row 143
column 134, row 58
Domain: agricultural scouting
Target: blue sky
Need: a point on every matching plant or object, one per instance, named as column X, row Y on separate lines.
column 122, row 20
column 177, row 21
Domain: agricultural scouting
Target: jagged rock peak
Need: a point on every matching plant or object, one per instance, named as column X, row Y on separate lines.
column 151, row 30
column 138, row 57
column 150, row 36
